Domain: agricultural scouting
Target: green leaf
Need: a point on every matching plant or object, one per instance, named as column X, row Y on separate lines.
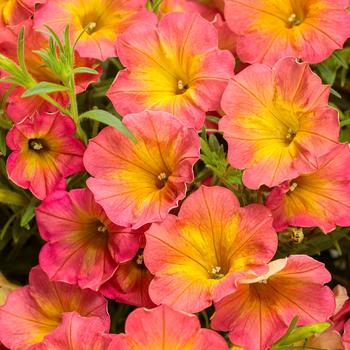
column 28, row 213
column 3, row 148
column 86, row 70
column 336, row 93
column 303, row 333
column 20, row 50
column 44, row 88
column 340, row 59
column 55, row 37
column 108, row 119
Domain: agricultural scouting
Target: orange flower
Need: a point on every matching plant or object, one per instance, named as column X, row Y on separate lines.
column 271, row 29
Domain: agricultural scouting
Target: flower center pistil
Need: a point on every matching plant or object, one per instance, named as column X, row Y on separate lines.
column 36, row 145
column 216, row 272
column 90, row 27
column 181, row 87
column 293, row 20
column 290, row 135
column 161, row 180
column 102, row 228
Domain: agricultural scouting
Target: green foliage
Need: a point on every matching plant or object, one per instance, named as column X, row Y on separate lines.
column 214, row 157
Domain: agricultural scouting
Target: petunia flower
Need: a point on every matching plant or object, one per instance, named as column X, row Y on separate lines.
column 34, row 311
column 318, row 198
column 77, row 333
column 178, row 69
column 19, row 108
column 198, row 256
column 102, row 20
column 15, row 12
column 130, row 283
column 270, row 29
column 44, row 152
column 164, row 328
column 143, row 180
column 277, row 132
column 259, row 312
column 84, row 247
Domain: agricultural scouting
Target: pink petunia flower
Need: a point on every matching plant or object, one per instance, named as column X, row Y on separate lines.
column 44, row 152
column 259, row 312
column 36, row 310
column 164, row 328
column 84, row 247
column 143, row 180
column 103, row 20
column 317, row 198
column 277, row 133
column 178, row 69
column 346, row 336
column 271, row 29
column 197, row 257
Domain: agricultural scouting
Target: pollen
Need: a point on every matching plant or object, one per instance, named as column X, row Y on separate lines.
column 293, row 20
column 36, row 145
column 162, row 176
column 290, row 134
column 90, row 27
column 139, row 259
column 102, row 228
column 180, row 85
column 263, row 281
column 215, row 272
column 293, row 186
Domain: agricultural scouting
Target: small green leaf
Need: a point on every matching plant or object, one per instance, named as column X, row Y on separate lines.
column 86, row 70
column 20, row 50
column 340, row 59
column 108, row 119
column 335, row 93
column 44, row 88
column 28, row 215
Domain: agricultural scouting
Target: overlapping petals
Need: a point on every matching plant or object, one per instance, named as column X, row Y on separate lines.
column 261, row 309
column 163, row 328
column 277, row 133
column 130, row 283
column 44, row 152
column 175, row 67
column 144, row 180
column 14, row 12
column 270, row 29
column 197, row 257
column 34, row 311
column 103, row 22
column 77, row 333
column 84, row 247
column 319, row 198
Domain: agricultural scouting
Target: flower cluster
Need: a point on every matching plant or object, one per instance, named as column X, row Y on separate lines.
column 178, row 165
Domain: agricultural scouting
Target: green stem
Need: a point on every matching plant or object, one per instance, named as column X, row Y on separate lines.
column 74, row 109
